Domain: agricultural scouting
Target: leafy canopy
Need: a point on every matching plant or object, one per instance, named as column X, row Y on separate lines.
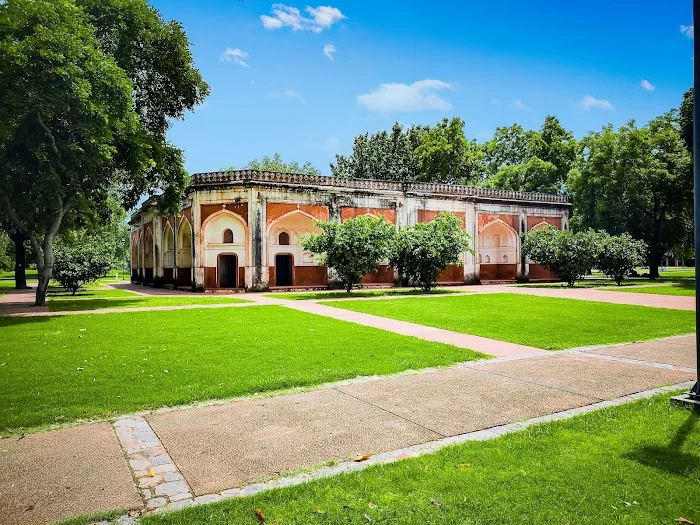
column 619, row 255
column 569, row 255
column 81, row 259
column 420, row 252
column 276, row 164
column 351, row 248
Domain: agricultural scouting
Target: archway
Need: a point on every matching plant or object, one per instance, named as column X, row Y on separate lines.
column 224, row 235
column 289, row 264
column 184, row 253
column 168, row 254
column 498, row 251
column 148, row 256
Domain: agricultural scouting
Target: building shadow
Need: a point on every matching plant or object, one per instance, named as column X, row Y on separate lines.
column 671, row 458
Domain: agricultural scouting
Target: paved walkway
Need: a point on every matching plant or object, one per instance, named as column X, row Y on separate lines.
column 178, row 457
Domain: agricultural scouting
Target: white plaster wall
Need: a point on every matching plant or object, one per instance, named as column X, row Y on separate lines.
column 297, row 225
column 497, row 241
column 214, row 235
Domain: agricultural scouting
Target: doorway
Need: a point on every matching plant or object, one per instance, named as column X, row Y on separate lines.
column 283, row 270
column 228, row 271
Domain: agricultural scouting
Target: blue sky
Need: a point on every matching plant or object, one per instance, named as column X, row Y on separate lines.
column 304, row 79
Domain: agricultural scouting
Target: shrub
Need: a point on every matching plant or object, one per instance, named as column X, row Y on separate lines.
column 420, row 252
column 351, row 248
column 80, row 259
column 619, row 255
column 570, row 255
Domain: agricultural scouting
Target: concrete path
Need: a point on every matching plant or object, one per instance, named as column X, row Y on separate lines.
column 178, row 457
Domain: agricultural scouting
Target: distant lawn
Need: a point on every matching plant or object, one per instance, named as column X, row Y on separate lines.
column 9, row 282
column 59, row 294
column 64, row 304
column 61, row 369
column 636, row 464
column 351, row 295
column 687, row 289
column 543, row 322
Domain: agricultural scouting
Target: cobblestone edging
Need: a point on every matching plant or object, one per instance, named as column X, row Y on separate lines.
column 155, row 473
column 410, row 452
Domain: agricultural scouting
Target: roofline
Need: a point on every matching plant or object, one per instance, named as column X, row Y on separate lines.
column 242, row 177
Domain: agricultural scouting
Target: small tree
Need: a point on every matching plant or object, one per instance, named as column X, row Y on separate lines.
column 79, row 260
column 619, row 254
column 420, row 252
column 351, row 248
column 570, row 255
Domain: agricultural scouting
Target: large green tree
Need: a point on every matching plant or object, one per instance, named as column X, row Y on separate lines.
column 636, row 180
column 88, row 92
column 277, row 165
column 383, row 156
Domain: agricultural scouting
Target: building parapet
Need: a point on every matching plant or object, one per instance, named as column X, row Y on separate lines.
column 219, row 178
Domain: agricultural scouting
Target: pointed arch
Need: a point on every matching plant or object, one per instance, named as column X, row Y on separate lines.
column 289, row 214
column 184, row 244
column 168, row 246
column 541, row 225
column 498, row 243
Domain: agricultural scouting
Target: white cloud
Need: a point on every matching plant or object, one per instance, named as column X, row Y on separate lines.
column 688, row 31
column 328, row 50
column 291, row 94
column 516, row 103
column 235, row 55
column 647, row 86
column 319, row 19
column 589, row 102
column 403, row 97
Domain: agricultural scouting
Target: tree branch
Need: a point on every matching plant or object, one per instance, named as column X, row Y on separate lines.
column 52, row 141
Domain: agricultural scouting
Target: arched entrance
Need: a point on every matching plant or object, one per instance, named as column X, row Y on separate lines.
column 498, row 252
column 227, row 270
column 283, row 269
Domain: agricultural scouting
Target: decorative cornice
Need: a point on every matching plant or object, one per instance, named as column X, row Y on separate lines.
column 239, row 177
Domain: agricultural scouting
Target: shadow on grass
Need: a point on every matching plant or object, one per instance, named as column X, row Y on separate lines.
column 671, row 458
column 66, row 305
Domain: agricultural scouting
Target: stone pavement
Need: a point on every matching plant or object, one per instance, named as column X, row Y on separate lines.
column 172, row 458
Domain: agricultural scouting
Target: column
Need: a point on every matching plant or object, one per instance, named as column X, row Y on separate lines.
column 197, row 244
column 471, row 266
column 256, row 274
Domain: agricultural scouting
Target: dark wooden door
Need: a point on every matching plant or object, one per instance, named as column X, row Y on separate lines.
column 228, row 271
column 283, row 270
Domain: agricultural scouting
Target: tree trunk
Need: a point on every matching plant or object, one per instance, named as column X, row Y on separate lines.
column 45, row 267
column 654, row 261
column 20, row 261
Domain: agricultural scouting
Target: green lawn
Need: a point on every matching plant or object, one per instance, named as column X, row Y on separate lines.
column 543, row 322
column 636, row 464
column 58, row 294
column 65, row 368
column 345, row 295
column 137, row 301
column 683, row 288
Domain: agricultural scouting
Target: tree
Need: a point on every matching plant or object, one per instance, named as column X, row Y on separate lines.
column 536, row 175
column 636, row 180
column 88, row 94
column 534, row 161
column 569, row 255
column 277, row 165
column 351, row 248
column 619, row 255
column 6, row 259
column 383, row 156
column 685, row 119
column 420, row 252
column 81, row 259
column 445, row 154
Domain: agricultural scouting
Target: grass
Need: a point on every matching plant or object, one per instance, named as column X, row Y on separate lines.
column 137, row 301
column 352, row 295
column 543, row 322
column 56, row 370
column 636, row 463
column 682, row 288
column 58, row 294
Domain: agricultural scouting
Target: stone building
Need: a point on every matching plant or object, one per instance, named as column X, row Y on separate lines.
column 242, row 229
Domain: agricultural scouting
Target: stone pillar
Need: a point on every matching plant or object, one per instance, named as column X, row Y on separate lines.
column 471, row 267
column 523, row 266
column 256, row 274
column 157, row 247
column 197, row 244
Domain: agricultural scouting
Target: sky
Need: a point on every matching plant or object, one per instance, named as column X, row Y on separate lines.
column 303, row 79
